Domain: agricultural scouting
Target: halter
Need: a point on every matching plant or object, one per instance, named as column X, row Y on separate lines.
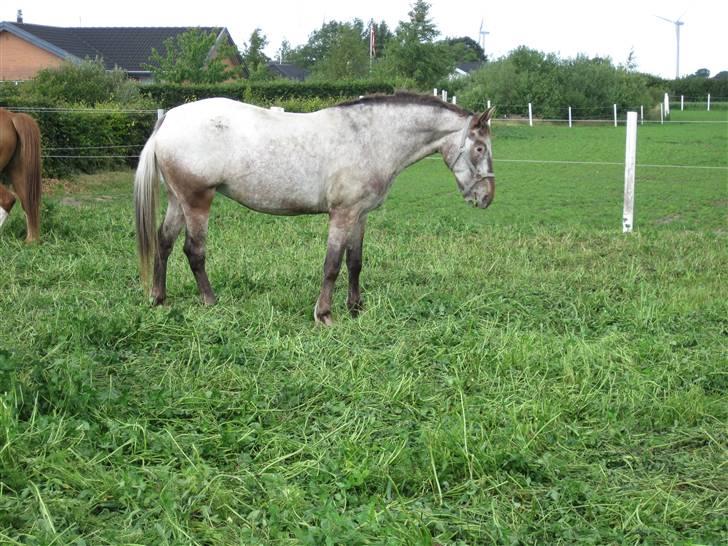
column 463, row 139
column 471, row 167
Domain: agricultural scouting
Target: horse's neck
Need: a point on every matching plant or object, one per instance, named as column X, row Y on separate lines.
column 423, row 131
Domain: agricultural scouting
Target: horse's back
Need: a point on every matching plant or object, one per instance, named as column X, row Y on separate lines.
column 261, row 158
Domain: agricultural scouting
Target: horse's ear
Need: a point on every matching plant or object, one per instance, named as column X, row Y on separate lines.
column 485, row 117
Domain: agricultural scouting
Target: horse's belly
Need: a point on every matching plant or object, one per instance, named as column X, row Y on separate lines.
column 281, row 197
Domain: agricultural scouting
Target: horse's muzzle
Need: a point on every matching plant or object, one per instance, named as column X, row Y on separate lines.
column 487, row 199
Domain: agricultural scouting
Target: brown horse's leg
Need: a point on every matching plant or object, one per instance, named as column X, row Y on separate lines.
column 353, row 264
column 25, row 172
column 340, row 228
column 7, row 200
column 30, row 206
column 169, row 230
column 197, row 213
column 8, row 142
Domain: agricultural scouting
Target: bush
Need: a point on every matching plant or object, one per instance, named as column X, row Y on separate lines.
column 695, row 88
column 87, row 84
column 589, row 86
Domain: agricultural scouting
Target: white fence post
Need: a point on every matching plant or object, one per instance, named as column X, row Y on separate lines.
column 569, row 116
column 642, row 114
column 444, row 95
column 530, row 115
column 615, row 115
column 682, row 102
column 662, row 114
column 454, row 99
column 629, row 172
column 708, row 102
column 434, row 91
column 488, row 109
column 667, row 105
column 160, row 113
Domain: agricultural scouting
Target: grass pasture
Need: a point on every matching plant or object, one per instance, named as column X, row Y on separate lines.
column 522, row 375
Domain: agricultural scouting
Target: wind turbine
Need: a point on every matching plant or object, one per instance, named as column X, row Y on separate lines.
column 678, row 23
column 482, row 33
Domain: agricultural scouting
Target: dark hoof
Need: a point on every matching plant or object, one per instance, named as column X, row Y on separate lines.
column 324, row 319
column 355, row 308
column 209, row 300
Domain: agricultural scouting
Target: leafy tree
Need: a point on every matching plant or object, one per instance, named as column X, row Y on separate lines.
column 284, row 51
column 321, row 41
column 420, row 26
column 702, row 73
column 347, row 56
column 254, row 58
column 193, row 57
column 412, row 53
column 465, row 49
column 87, row 83
column 722, row 75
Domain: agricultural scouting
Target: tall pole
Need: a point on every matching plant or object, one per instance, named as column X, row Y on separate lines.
column 629, row 173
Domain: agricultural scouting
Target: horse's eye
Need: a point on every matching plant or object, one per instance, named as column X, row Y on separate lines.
column 479, row 149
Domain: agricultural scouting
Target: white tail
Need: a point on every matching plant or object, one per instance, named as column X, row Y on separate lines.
column 146, row 195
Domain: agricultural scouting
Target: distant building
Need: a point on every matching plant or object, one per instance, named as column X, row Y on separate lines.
column 288, row 71
column 26, row 49
column 465, row 69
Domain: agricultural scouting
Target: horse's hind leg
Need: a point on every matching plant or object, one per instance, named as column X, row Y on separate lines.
column 31, row 205
column 353, row 264
column 169, row 230
column 8, row 142
column 197, row 213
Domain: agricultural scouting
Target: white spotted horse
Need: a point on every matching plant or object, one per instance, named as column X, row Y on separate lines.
column 339, row 161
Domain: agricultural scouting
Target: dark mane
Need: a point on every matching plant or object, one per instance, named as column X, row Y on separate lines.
column 405, row 98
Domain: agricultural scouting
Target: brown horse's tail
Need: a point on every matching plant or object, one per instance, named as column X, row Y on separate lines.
column 146, row 197
column 28, row 155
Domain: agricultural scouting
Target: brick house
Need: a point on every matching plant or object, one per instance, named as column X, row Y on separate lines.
column 25, row 49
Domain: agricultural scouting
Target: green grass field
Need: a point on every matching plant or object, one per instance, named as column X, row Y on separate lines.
column 522, row 375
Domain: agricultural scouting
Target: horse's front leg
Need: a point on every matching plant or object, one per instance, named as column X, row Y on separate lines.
column 353, row 264
column 7, row 200
column 341, row 225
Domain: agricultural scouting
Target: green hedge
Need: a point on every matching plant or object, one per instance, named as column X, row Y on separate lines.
column 695, row 88
column 96, row 139
column 264, row 93
column 90, row 139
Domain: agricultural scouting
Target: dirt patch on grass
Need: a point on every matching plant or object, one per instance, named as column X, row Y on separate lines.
column 71, row 202
column 669, row 219
column 51, row 185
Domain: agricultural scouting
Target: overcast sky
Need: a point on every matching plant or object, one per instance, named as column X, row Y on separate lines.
column 560, row 26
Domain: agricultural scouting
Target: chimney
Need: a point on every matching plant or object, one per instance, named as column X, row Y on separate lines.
column 20, row 16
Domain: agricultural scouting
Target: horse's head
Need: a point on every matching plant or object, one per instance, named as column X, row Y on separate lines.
column 471, row 161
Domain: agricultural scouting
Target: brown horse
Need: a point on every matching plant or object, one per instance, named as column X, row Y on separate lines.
column 20, row 161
